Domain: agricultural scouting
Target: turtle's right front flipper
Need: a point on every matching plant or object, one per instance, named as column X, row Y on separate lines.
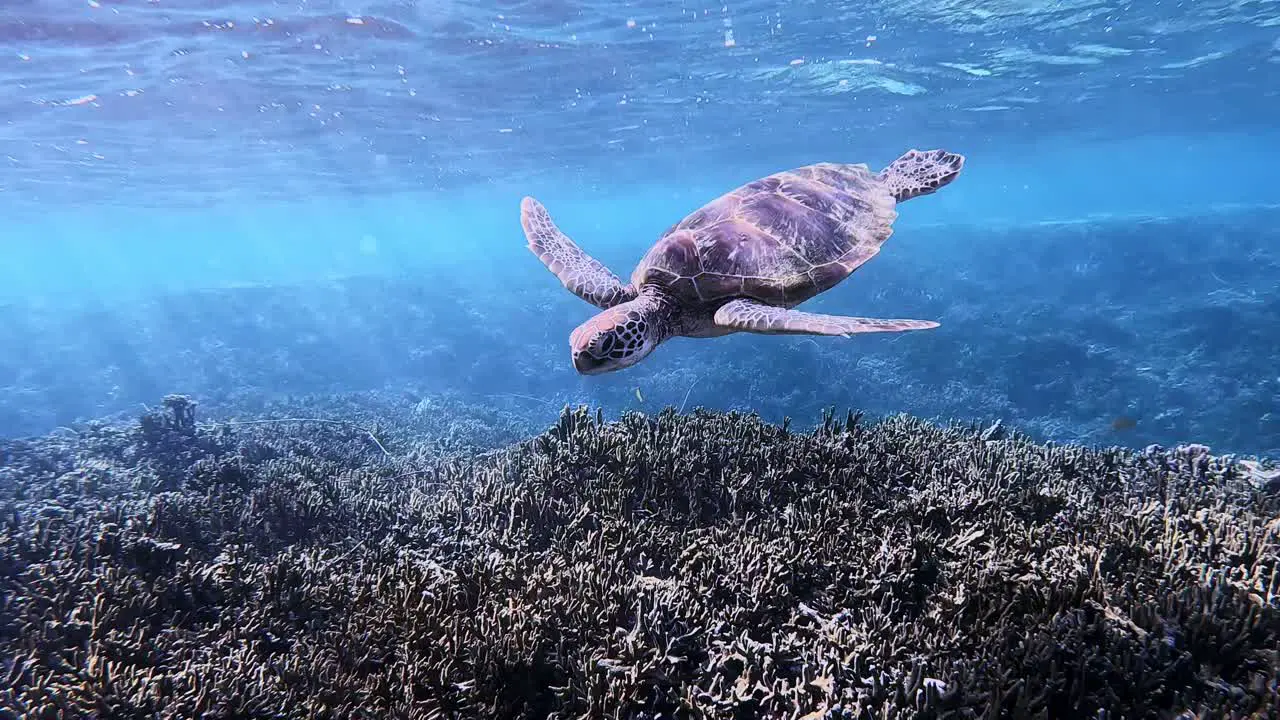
column 580, row 273
column 743, row 315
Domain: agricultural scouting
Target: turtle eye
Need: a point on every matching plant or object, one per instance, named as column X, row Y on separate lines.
column 602, row 344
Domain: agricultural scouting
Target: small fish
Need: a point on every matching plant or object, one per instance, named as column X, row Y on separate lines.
column 1122, row 423
column 638, row 395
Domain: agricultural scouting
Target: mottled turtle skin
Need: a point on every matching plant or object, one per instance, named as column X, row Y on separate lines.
column 741, row 262
column 781, row 239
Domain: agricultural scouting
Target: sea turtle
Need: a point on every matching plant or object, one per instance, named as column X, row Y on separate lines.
column 742, row 261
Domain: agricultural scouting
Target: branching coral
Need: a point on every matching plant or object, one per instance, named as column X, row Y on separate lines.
column 703, row 565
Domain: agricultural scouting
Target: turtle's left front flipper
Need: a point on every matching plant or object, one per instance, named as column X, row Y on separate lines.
column 580, row 273
column 756, row 317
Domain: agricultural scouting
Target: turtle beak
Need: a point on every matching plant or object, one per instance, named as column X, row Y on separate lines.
column 587, row 364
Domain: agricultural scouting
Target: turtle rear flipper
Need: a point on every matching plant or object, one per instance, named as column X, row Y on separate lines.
column 756, row 317
column 580, row 273
column 919, row 173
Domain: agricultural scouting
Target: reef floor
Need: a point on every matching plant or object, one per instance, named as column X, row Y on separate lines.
column 659, row 566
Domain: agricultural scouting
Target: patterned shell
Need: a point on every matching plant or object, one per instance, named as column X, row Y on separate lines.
column 781, row 239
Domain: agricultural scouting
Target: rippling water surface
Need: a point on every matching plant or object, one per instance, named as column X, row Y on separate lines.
column 192, row 101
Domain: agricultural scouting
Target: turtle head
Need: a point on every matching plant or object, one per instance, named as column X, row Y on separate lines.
column 617, row 338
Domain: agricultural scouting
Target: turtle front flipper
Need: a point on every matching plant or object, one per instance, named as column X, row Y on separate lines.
column 756, row 317
column 580, row 273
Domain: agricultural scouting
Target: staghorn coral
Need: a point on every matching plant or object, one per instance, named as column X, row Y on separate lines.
column 703, row 565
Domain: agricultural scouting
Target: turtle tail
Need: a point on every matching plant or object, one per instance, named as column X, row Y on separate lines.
column 921, row 172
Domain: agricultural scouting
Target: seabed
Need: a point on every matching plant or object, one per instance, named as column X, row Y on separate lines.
column 677, row 565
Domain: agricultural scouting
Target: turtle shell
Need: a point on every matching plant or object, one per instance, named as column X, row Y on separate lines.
column 781, row 239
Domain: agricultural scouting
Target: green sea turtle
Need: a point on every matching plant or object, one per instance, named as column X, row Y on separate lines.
column 742, row 261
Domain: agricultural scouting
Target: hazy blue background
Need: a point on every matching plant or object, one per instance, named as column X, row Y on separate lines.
column 240, row 200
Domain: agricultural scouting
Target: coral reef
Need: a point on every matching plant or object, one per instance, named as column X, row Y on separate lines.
column 668, row 565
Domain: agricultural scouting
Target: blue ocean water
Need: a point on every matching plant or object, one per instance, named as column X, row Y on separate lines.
column 238, row 200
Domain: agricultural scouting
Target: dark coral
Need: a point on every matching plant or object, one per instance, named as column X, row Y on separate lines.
column 703, row 565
